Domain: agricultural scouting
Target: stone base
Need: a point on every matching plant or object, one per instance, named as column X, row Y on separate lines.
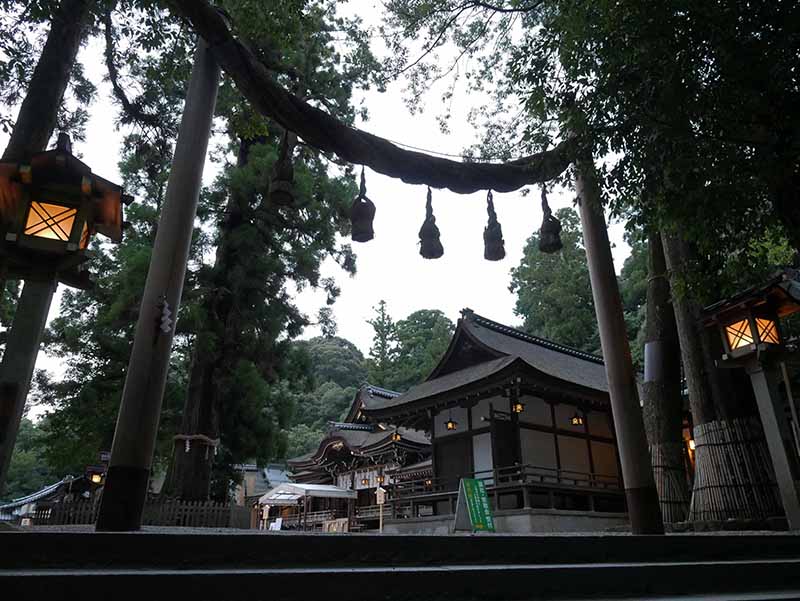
column 518, row 521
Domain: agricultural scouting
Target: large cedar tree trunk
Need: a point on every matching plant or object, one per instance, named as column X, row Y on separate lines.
column 39, row 110
column 662, row 404
column 734, row 478
column 189, row 476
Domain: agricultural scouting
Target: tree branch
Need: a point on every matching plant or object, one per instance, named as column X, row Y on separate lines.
column 326, row 133
column 132, row 109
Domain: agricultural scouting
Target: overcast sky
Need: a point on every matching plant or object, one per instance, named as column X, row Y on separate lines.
column 389, row 267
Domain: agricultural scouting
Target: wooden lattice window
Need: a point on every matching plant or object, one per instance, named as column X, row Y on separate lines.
column 739, row 334
column 767, row 330
column 47, row 220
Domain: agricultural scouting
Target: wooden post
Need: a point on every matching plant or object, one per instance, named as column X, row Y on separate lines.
column 139, row 412
column 640, row 489
column 770, row 408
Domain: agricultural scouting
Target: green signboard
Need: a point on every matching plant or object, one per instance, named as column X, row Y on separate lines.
column 473, row 505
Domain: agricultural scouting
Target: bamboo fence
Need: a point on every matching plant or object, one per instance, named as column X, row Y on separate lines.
column 734, row 479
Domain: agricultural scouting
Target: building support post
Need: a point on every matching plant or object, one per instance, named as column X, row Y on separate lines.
column 779, row 438
column 640, row 488
column 19, row 361
column 137, row 423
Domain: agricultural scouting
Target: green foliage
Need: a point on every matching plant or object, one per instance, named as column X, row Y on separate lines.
column 554, row 295
column 633, row 289
column 403, row 353
column 29, row 471
column 335, row 360
column 422, row 339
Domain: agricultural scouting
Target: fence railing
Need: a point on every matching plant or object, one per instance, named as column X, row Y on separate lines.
column 167, row 512
column 509, row 477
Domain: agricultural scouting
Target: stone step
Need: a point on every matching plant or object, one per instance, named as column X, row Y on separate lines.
column 250, row 549
column 731, row 580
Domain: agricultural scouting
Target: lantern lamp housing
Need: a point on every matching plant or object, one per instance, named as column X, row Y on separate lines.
column 749, row 331
column 577, row 419
column 380, row 479
column 396, row 437
column 365, row 481
column 451, row 425
column 517, row 407
column 51, row 206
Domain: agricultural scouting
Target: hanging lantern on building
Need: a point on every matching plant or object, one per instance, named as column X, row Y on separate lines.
column 550, row 232
column 517, row 406
column 576, row 420
column 380, row 479
column 362, row 214
column 365, row 481
column 430, row 244
column 50, row 209
column 95, row 473
column 493, row 244
column 450, row 424
column 396, row 436
column 281, row 188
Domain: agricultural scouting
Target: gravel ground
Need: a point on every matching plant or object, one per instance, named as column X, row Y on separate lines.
column 213, row 531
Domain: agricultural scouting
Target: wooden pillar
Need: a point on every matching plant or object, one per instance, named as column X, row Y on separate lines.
column 640, row 489
column 776, row 431
column 140, row 409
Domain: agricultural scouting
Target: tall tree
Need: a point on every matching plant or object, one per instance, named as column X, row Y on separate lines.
column 383, row 352
column 266, row 238
column 662, row 402
column 34, row 125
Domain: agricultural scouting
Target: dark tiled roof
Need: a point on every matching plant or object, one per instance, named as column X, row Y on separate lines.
column 562, row 362
column 558, row 361
column 361, row 442
column 486, row 323
column 348, row 426
column 363, row 398
column 447, row 382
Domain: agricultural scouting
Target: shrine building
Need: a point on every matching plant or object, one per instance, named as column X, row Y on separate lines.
column 529, row 417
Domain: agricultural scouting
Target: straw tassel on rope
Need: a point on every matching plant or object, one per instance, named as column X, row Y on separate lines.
column 362, row 214
column 550, row 232
column 430, row 245
column 493, row 244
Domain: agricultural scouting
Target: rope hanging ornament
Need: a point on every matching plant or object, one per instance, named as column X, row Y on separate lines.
column 550, row 232
column 430, row 245
column 362, row 214
column 493, row 244
column 281, row 188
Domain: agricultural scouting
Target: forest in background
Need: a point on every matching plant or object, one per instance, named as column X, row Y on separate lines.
column 696, row 112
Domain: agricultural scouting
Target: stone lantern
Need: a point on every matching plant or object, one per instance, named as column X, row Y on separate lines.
column 50, row 209
column 752, row 339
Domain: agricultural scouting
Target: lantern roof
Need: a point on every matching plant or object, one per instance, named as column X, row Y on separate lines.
column 780, row 293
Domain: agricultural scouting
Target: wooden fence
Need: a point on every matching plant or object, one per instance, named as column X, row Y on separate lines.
column 168, row 512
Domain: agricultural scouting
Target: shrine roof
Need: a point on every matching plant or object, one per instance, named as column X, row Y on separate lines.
column 482, row 348
column 359, row 442
column 364, row 397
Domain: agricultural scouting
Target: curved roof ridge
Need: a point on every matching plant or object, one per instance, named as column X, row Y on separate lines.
column 470, row 315
column 383, row 392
